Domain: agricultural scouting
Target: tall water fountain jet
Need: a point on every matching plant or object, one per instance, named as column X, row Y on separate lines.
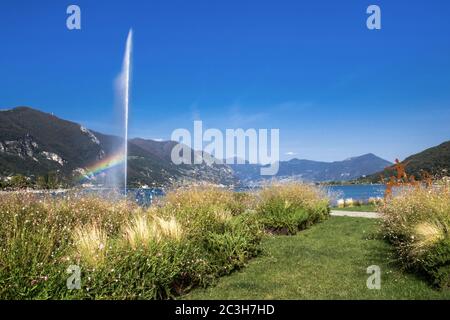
column 124, row 85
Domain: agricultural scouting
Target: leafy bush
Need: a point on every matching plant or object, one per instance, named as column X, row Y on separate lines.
column 287, row 208
column 417, row 223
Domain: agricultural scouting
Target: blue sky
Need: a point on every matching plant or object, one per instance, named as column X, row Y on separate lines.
column 310, row 68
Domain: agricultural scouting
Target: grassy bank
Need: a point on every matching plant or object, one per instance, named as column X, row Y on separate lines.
column 328, row 261
column 187, row 239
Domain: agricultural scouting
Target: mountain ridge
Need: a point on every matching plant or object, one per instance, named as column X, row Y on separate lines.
column 34, row 143
column 434, row 161
column 317, row 171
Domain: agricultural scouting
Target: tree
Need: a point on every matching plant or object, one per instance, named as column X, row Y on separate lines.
column 18, row 182
column 52, row 180
column 41, row 182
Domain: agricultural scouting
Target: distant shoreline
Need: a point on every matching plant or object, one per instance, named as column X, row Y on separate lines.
column 342, row 183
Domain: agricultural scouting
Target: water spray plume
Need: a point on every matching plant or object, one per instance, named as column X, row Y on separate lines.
column 117, row 163
column 126, row 99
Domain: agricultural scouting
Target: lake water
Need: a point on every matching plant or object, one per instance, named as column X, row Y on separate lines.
column 357, row 191
column 145, row 197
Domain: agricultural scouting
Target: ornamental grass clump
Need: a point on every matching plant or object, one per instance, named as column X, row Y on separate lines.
column 41, row 235
column 417, row 223
column 91, row 245
column 221, row 223
column 288, row 208
column 144, row 229
column 202, row 209
column 169, row 228
column 140, row 233
column 124, row 251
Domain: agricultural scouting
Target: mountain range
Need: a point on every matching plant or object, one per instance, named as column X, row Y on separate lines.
column 435, row 161
column 33, row 143
column 319, row 171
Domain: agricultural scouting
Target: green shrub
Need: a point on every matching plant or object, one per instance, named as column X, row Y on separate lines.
column 417, row 223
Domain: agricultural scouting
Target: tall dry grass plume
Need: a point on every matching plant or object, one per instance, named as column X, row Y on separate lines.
column 91, row 245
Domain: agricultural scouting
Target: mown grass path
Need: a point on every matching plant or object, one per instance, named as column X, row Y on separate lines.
column 328, row 261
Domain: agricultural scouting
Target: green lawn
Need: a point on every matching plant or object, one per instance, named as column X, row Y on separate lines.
column 328, row 261
column 363, row 208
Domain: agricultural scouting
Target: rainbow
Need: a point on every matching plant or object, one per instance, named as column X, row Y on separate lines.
column 103, row 165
